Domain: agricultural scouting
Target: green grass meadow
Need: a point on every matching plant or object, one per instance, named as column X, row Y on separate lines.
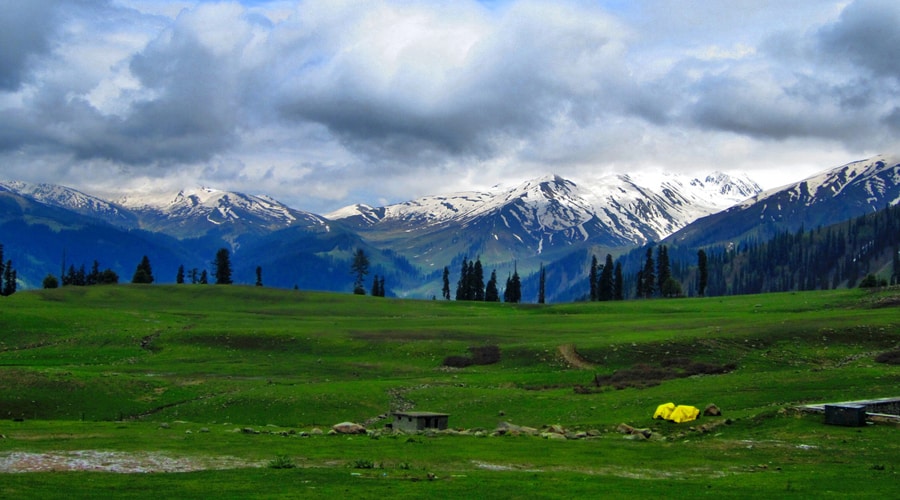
column 228, row 378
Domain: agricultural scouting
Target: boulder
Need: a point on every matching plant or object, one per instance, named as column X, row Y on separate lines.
column 348, row 428
column 712, row 411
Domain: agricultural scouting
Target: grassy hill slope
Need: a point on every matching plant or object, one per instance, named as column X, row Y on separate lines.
column 106, row 366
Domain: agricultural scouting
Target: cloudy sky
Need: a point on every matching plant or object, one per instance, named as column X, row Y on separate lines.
column 325, row 103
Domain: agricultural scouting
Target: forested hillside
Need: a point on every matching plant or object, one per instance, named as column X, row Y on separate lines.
column 822, row 258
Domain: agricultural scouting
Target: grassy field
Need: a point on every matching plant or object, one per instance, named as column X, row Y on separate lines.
column 217, row 383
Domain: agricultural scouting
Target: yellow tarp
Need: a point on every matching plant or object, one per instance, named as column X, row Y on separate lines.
column 677, row 414
column 663, row 411
column 683, row 413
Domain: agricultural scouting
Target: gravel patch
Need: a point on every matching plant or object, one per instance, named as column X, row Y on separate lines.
column 114, row 461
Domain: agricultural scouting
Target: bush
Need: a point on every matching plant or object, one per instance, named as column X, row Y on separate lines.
column 890, row 357
column 872, row 281
column 363, row 463
column 282, row 462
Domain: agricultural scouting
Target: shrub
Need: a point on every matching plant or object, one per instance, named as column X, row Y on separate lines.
column 363, row 463
column 282, row 462
column 890, row 357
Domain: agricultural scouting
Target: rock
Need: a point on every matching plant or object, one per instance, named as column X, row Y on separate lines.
column 348, row 428
column 625, row 429
column 552, row 435
column 712, row 411
column 557, row 429
column 631, row 431
column 204, row 429
column 316, row 432
column 165, row 425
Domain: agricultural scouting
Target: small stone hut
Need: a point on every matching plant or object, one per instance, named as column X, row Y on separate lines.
column 412, row 421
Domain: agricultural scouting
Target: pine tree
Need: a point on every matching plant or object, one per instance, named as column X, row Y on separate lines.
column 204, row 278
column 513, row 292
column 359, row 268
column 223, row 267
column 462, row 284
column 9, row 280
column 477, row 284
column 491, row 294
column 541, row 286
column 663, row 268
column 374, row 291
column 93, row 277
column 143, row 273
column 647, row 277
column 592, row 278
column 381, row 291
column 516, row 295
column 445, row 291
column 179, row 277
column 703, row 273
column 605, row 285
column 259, row 276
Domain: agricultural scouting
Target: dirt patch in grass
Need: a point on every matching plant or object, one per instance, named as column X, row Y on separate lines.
column 572, row 357
column 115, row 461
column 643, row 375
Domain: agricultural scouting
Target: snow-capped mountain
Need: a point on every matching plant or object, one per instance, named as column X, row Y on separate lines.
column 71, row 199
column 548, row 212
column 193, row 212
column 830, row 197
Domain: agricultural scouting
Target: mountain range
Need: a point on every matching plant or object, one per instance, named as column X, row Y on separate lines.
column 549, row 221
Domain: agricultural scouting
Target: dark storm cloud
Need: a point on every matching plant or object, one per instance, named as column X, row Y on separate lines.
column 26, row 30
column 867, row 35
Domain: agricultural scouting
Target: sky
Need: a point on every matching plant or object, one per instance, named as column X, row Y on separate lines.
column 321, row 104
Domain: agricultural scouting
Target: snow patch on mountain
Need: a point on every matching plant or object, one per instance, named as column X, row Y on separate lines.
column 67, row 198
column 629, row 208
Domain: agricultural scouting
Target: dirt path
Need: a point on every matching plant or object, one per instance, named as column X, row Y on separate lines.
column 573, row 358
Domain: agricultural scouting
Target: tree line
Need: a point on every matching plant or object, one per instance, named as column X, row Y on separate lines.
column 864, row 251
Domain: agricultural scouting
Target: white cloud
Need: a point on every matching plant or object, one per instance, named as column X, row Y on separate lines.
column 319, row 102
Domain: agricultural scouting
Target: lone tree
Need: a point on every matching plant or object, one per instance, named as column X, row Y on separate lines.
column 259, row 276
column 445, row 291
column 143, row 273
column 359, row 268
column 223, row 267
column 179, row 277
column 542, row 286
column 703, row 272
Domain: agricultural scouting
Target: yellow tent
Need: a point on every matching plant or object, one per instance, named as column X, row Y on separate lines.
column 663, row 411
column 677, row 414
column 683, row 413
